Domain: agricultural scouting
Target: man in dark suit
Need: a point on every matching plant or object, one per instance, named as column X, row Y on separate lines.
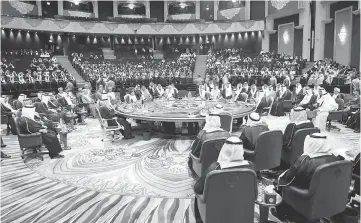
column 108, row 112
column 277, row 106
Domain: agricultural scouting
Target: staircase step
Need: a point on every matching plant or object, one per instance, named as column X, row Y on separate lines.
column 64, row 61
column 200, row 67
column 108, row 54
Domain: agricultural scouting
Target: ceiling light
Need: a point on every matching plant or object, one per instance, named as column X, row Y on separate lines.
column 76, row 2
column 234, row 1
column 131, row 6
column 48, row 3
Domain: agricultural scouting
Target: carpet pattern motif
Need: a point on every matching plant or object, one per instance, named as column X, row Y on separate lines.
column 127, row 181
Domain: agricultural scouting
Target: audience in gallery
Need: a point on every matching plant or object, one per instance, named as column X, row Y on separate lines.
column 269, row 68
column 133, row 72
column 317, row 151
column 328, row 72
column 38, row 70
column 230, row 157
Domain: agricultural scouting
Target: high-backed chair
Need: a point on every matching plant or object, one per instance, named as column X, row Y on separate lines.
column 209, row 153
column 268, row 148
column 327, row 194
column 104, row 124
column 334, row 116
column 290, row 154
column 228, row 196
column 31, row 141
column 226, row 121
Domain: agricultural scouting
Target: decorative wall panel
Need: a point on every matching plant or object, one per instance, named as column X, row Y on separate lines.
column 54, row 25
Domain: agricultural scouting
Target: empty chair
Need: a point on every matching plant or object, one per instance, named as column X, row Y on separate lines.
column 267, row 153
column 209, row 154
column 290, row 154
column 287, row 105
column 226, row 121
column 327, row 194
column 228, row 196
column 334, row 116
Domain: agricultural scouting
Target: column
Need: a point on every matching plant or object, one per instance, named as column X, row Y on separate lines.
column 266, row 35
column 147, row 8
column 40, row 10
column 60, row 7
column 305, row 20
column 321, row 14
column 215, row 10
column 198, row 9
column 95, row 8
column 165, row 10
column 115, row 8
column 248, row 10
column 359, row 7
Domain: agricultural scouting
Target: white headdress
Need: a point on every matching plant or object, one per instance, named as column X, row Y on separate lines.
column 231, row 154
column 213, row 123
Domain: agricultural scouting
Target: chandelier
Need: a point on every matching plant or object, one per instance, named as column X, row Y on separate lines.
column 230, row 13
column 22, row 7
column 279, row 4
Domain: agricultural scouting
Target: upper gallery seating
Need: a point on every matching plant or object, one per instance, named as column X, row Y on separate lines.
column 329, row 72
column 132, row 72
column 27, row 70
column 253, row 68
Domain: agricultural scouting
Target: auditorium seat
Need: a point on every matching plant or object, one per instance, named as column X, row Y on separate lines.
column 226, row 121
column 27, row 142
column 229, row 196
column 209, row 153
column 267, row 153
column 327, row 194
column 289, row 155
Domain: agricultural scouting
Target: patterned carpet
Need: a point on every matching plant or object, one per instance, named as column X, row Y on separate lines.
column 127, row 181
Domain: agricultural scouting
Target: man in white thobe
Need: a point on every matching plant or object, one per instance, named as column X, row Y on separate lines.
column 326, row 104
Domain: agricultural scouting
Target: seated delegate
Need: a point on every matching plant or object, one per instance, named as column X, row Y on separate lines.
column 317, row 151
column 230, row 156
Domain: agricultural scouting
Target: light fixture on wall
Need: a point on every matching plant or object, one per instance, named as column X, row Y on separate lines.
column 48, row 3
column 286, row 37
column 131, row 6
column 182, row 5
column 342, row 35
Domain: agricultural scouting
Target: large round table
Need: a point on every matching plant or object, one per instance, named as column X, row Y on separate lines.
column 182, row 110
